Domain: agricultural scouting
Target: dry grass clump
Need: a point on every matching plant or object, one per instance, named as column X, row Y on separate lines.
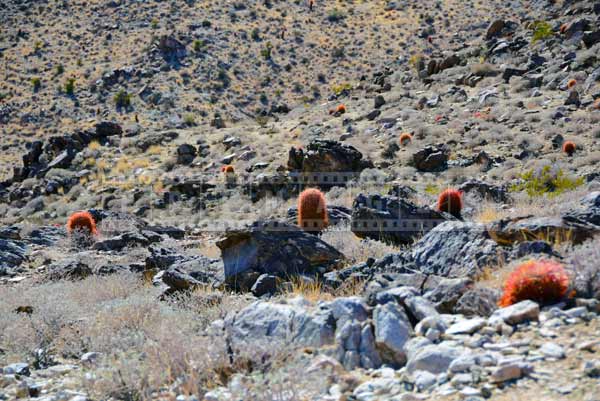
column 355, row 249
column 145, row 344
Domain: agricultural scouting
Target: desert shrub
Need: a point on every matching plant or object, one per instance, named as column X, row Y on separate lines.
column 198, row 45
column 70, row 86
column 189, row 119
column 312, row 210
column 546, row 181
column 541, row 31
column 542, row 281
column 36, row 83
column 122, row 99
column 335, row 15
column 60, row 69
column 266, row 51
column 339, row 89
column 450, row 201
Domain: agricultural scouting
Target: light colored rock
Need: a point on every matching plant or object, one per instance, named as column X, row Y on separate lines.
column 517, row 313
column 552, row 350
column 506, row 372
column 424, row 380
column 467, row 326
column 433, row 358
column 392, row 331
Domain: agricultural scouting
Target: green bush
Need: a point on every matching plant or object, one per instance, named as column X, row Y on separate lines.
column 70, row 86
column 60, row 69
column 198, row 45
column 541, row 31
column 189, row 119
column 37, row 83
column 122, row 99
column 266, row 52
column 546, row 182
column 335, row 15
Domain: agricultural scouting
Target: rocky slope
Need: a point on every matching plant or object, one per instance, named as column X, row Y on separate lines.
column 200, row 284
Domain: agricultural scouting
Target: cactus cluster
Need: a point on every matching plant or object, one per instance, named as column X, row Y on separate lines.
column 542, row 281
column 312, row 210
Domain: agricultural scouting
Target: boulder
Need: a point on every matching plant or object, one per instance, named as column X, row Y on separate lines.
column 12, row 254
column 494, row 29
column 186, row 154
column 485, row 191
column 275, row 248
column 550, row 229
column 456, row 249
column 274, row 325
column 392, row 219
column 392, row 331
column 170, row 47
column 431, row 158
column 318, row 163
column 478, row 302
column 69, row 269
column 518, row 313
column 433, row 358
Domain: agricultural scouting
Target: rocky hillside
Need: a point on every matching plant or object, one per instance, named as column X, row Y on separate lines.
column 158, row 241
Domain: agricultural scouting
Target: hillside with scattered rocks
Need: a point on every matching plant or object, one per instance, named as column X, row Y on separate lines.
column 302, row 200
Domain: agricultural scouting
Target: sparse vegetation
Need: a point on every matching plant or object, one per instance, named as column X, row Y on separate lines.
column 547, row 181
column 70, row 86
column 122, row 99
column 542, row 30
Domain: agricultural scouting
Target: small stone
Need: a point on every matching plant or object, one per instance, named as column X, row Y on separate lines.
column 506, row 372
column 424, row 380
column 552, row 350
column 90, row 358
column 468, row 326
column 20, row 368
column 578, row 312
column 592, row 368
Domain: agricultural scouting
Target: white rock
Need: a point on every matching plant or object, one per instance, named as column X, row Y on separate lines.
column 552, row 350
column 467, row 326
column 517, row 313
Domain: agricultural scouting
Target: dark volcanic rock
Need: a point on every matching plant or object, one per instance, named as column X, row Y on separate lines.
column 392, row 219
column 71, row 269
column 485, row 191
column 12, row 254
column 186, row 154
column 478, row 302
column 431, row 158
column 336, row 215
column 275, row 248
column 550, row 229
column 326, row 156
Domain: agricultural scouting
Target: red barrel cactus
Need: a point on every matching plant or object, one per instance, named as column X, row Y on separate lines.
column 542, row 281
column 569, row 148
column 405, row 138
column 82, row 222
column 312, row 210
column 450, row 201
